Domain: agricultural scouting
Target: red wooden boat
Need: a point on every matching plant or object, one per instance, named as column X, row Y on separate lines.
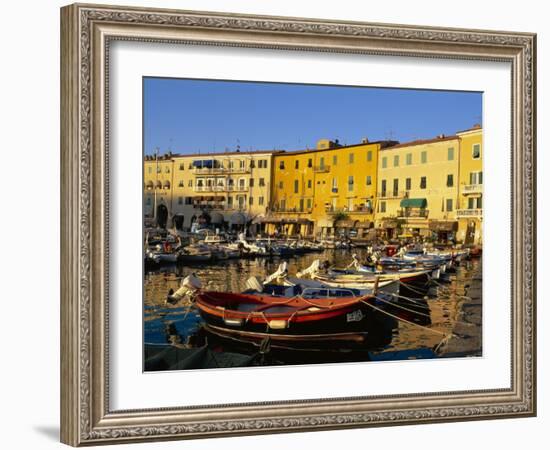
column 283, row 319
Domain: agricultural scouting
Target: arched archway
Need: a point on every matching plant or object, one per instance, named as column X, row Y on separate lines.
column 162, row 216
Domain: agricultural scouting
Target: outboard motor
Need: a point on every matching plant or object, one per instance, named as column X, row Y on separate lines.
column 254, row 284
column 189, row 285
column 314, row 268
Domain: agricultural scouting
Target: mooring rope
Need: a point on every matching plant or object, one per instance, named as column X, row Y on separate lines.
column 407, row 321
column 402, row 307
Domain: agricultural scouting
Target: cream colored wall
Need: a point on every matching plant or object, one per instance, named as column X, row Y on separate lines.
column 435, row 170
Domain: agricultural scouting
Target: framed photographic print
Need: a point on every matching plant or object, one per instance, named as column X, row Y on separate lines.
column 278, row 224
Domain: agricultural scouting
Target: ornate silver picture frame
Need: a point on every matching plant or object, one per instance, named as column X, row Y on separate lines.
column 87, row 32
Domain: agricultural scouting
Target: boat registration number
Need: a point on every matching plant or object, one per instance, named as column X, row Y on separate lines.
column 355, row 316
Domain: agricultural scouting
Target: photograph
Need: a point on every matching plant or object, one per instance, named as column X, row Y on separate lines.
column 290, row 224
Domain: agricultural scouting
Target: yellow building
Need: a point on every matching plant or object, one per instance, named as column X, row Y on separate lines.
column 418, row 188
column 470, row 212
column 222, row 189
column 158, row 173
column 312, row 189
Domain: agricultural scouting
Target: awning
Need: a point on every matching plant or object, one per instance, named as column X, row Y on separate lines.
column 216, row 218
column 413, row 203
column 344, row 224
column 443, row 225
column 238, row 219
column 363, row 224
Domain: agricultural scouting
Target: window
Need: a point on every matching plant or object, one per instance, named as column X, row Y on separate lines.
column 351, row 157
column 296, row 164
column 190, row 183
column 322, row 163
column 396, row 161
column 334, row 160
column 369, row 180
column 301, row 204
column 250, row 201
column 260, row 201
column 476, row 151
column 251, row 182
column 383, row 207
column 424, row 157
column 450, row 181
column 383, row 188
column 229, row 201
column 283, row 204
column 395, row 187
column 282, row 165
column 423, row 182
column 182, row 166
column 409, row 159
column 350, row 183
column 180, row 200
column 450, row 154
column 280, row 184
column 350, row 204
column 309, row 184
column 407, row 184
column 384, row 162
column 252, row 164
column 296, row 186
column 167, row 169
column 369, row 155
column 180, row 184
column 261, row 182
column 476, row 177
column 262, row 163
column 310, row 162
column 308, row 203
column 335, row 185
column 188, row 200
column 449, row 205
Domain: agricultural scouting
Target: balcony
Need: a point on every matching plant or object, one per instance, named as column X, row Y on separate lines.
column 356, row 210
column 321, row 169
column 293, row 210
column 413, row 213
column 392, row 194
column 461, row 213
column 472, row 189
column 220, row 189
column 219, row 170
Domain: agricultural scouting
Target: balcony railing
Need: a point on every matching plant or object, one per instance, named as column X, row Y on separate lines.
column 234, row 188
column 321, row 169
column 472, row 189
column 469, row 212
column 356, row 210
column 393, row 194
column 293, row 210
column 414, row 212
column 219, row 170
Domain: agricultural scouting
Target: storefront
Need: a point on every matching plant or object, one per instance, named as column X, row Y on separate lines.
column 443, row 231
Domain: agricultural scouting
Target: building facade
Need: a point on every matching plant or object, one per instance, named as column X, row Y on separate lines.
column 470, row 212
column 317, row 191
column 225, row 189
column 418, row 188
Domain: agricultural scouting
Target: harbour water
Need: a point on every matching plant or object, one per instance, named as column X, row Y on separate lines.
column 454, row 311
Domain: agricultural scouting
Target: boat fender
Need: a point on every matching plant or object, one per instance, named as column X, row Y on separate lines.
column 277, row 324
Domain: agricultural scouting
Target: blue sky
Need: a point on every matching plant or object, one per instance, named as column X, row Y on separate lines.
column 202, row 116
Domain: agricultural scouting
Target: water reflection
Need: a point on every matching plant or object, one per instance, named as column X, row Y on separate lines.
column 181, row 326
